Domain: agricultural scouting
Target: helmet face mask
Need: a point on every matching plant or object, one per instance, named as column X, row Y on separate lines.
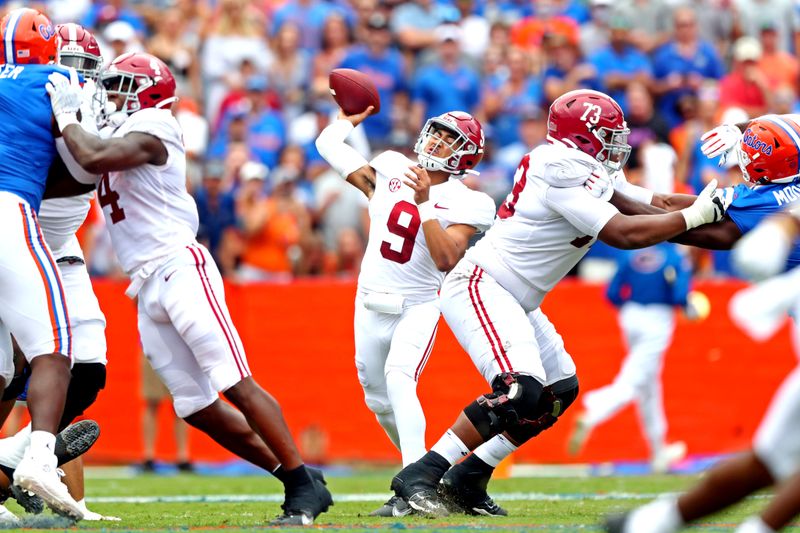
column 616, row 150
column 141, row 80
column 126, row 85
column 85, row 64
column 461, row 137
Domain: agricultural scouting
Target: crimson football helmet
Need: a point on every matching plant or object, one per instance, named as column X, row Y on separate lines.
column 27, row 37
column 593, row 123
column 77, row 48
column 143, row 79
column 466, row 148
column 769, row 150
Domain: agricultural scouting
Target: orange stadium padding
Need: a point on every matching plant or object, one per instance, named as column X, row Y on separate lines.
column 299, row 342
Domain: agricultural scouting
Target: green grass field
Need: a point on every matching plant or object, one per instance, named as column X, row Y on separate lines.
column 164, row 503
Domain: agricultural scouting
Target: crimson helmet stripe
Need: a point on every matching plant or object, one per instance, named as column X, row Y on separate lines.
column 11, row 29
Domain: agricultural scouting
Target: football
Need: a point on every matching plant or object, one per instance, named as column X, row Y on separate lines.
column 353, row 91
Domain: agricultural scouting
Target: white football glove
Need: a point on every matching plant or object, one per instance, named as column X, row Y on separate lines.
column 65, row 97
column 762, row 252
column 597, row 184
column 89, row 106
column 720, row 142
column 724, row 197
column 707, row 208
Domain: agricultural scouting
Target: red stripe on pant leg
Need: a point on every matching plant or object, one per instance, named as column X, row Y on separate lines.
column 426, row 354
column 222, row 313
column 491, row 324
column 473, row 279
column 213, row 309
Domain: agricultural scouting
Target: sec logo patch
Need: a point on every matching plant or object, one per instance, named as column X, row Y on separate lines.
column 394, row 185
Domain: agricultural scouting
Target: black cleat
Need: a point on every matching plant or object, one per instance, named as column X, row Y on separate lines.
column 464, row 491
column 394, row 507
column 72, row 442
column 417, row 486
column 75, row 440
column 306, row 504
column 615, row 523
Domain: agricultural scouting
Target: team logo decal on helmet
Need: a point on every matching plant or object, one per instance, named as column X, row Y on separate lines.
column 769, row 150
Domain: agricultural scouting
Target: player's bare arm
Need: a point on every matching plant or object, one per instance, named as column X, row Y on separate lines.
column 447, row 246
column 718, row 236
column 98, row 155
column 342, row 157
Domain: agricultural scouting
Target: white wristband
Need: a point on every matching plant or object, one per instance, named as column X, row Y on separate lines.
column 426, row 211
column 692, row 216
column 65, row 119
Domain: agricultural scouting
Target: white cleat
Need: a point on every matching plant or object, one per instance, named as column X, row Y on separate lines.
column 91, row 516
column 7, row 518
column 668, row 456
column 579, row 436
column 44, row 480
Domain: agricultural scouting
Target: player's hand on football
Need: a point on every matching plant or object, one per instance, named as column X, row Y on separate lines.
column 720, row 141
column 355, row 120
column 65, row 96
column 418, row 180
column 762, row 252
column 597, row 184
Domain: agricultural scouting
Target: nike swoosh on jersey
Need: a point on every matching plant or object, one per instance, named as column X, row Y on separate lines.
column 166, row 278
column 437, row 206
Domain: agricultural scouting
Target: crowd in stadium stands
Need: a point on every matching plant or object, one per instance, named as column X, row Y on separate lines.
column 253, row 82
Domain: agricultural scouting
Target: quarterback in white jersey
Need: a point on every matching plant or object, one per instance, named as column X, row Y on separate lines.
column 184, row 324
column 421, row 219
column 491, row 298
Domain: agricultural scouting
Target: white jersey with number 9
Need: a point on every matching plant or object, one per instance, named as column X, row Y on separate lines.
column 397, row 259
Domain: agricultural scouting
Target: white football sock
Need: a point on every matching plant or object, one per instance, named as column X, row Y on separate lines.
column 408, row 415
column 42, row 447
column 387, row 422
column 659, row 516
column 495, row 450
column 451, row 447
column 754, row 525
column 12, row 449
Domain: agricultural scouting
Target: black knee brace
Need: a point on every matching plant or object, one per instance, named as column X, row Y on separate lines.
column 514, row 397
column 87, row 381
column 555, row 399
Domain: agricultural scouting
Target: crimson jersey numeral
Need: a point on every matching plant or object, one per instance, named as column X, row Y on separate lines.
column 108, row 197
column 408, row 232
column 508, row 208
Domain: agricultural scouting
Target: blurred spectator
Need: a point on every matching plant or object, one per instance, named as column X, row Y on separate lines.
column 683, row 64
column 595, row 33
column 103, row 12
column 178, row 49
column 414, row 22
column 548, row 20
column 647, row 127
column 266, row 132
column 620, row 63
column 349, row 252
column 780, row 14
column 446, row 86
column 236, row 98
column 567, row 69
column 63, row 11
column 195, row 137
column 339, row 207
column 784, row 100
column 309, row 17
column 476, row 27
column 273, row 227
column 653, row 21
column 336, row 39
column 235, row 34
column 384, row 65
column 509, row 96
column 215, row 207
column 779, row 67
column 745, row 86
column 532, row 133
column 290, row 71
column 119, row 37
